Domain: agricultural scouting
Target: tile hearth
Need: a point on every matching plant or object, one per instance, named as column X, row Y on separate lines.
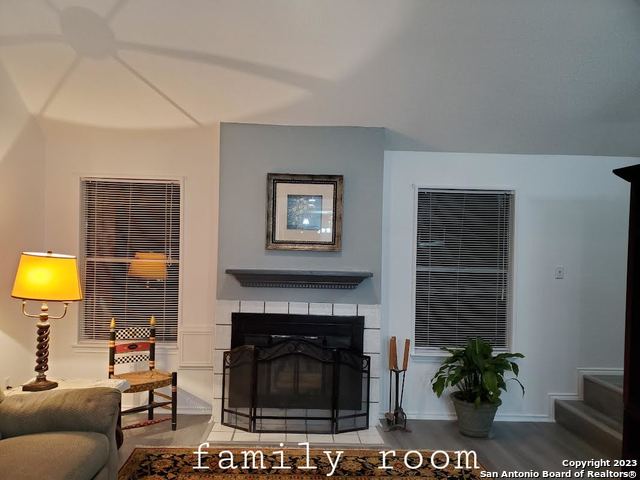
column 221, row 434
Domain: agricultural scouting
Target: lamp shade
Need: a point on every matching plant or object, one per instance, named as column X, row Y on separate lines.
column 47, row 277
column 149, row 266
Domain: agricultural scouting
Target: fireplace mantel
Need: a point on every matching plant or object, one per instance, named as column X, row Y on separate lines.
column 342, row 279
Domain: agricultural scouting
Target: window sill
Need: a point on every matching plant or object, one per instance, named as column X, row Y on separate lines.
column 428, row 355
column 101, row 347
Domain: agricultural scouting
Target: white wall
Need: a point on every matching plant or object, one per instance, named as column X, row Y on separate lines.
column 73, row 151
column 21, row 225
column 569, row 211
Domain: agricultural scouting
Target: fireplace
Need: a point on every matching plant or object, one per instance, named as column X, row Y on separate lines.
column 296, row 373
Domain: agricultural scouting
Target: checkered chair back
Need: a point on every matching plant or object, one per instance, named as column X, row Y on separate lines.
column 132, row 345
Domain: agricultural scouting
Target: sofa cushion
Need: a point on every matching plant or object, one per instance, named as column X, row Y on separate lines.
column 54, row 455
column 77, row 410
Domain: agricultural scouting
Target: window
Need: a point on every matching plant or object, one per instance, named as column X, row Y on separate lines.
column 130, row 255
column 463, row 267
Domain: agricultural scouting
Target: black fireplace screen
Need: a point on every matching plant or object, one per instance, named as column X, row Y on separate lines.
column 295, row 385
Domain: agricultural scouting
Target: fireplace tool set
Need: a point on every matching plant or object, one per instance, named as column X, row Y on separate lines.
column 397, row 419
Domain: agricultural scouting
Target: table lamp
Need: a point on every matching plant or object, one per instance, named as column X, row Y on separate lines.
column 149, row 266
column 45, row 277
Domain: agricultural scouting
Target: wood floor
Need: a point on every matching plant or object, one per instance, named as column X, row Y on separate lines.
column 514, row 446
column 521, row 446
column 190, row 433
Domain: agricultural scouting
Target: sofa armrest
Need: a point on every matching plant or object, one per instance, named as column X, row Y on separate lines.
column 86, row 409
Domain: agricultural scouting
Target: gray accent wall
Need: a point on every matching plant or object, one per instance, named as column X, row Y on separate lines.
column 247, row 153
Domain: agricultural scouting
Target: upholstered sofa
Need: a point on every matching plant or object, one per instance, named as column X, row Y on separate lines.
column 59, row 434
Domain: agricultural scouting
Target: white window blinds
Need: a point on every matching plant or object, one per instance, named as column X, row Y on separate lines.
column 463, row 267
column 130, row 255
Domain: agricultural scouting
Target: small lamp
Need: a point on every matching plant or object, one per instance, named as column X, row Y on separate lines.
column 149, row 266
column 45, row 277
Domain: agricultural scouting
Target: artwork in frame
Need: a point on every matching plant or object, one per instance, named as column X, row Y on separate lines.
column 304, row 212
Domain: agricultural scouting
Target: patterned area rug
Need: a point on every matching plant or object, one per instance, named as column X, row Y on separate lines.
column 179, row 463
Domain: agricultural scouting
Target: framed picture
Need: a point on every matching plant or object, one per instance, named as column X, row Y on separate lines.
column 304, row 212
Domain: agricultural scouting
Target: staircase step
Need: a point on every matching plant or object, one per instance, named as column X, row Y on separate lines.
column 594, row 427
column 604, row 393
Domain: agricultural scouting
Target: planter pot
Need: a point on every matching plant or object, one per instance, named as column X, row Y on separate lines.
column 474, row 421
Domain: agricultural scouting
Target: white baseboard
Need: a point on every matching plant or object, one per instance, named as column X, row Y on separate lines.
column 194, row 411
column 600, row 371
column 524, row 417
column 578, row 394
column 582, row 371
column 560, row 396
column 506, row 417
column 191, row 410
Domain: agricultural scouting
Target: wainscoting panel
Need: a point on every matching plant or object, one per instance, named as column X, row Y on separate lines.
column 196, row 348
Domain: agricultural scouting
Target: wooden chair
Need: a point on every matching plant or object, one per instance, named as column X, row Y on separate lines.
column 138, row 344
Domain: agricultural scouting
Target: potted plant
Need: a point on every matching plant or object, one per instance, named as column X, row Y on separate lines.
column 478, row 375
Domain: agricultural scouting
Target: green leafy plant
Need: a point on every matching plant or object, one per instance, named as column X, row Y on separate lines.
column 476, row 372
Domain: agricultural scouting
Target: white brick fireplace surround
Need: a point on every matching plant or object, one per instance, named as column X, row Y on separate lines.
column 372, row 341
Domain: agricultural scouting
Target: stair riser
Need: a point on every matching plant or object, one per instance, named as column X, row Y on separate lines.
column 603, row 440
column 603, row 399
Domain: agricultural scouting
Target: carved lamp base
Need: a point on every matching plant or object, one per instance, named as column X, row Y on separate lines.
column 42, row 353
column 39, row 384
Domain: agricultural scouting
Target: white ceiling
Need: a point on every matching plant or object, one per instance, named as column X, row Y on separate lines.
column 512, row 76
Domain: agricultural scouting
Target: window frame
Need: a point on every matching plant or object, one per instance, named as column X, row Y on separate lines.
column 436, row 353
column 90, row 345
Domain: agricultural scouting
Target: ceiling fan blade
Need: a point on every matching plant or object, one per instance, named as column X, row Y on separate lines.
column 276, row 73
column 29, row 38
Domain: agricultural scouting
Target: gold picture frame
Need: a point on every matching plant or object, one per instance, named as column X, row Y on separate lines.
column 304, row 212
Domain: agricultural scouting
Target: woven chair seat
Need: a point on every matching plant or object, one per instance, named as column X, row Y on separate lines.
column 145, row 380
